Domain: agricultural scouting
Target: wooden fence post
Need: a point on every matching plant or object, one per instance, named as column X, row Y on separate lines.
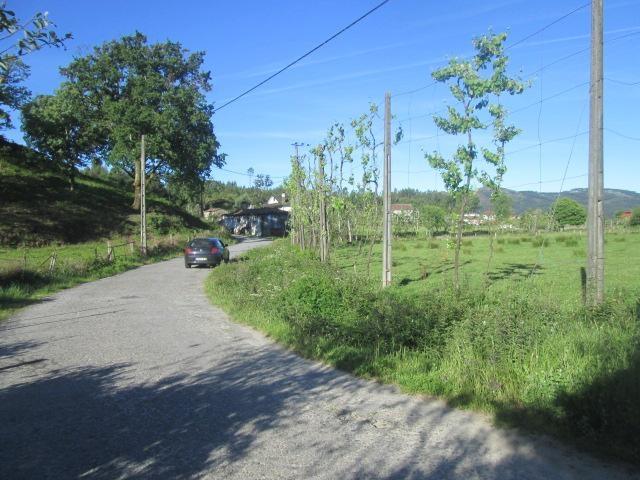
column 52, row 262
column 109, row 252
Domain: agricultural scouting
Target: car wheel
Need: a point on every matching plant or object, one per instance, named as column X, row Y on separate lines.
column 186, row 265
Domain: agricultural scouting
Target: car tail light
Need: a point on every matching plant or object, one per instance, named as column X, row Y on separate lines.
column 214, row 250
column 188, row 250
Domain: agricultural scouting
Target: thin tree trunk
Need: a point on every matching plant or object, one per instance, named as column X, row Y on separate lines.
column 456, row 258
column 492, row 237
column 136, row 186
column 72, row 179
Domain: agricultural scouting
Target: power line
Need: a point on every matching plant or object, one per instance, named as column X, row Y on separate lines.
column 248, row 174
column 549, row 25
column 555, row 95
column 411, row 140
column 546, row 181
column 553, row 140
column 559, row 19
column 566, row 57
column 622, row 82
column 637, row 139
column 302, row 56
column 405, row 119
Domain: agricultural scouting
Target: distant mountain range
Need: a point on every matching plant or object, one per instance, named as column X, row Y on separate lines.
column 614, row 200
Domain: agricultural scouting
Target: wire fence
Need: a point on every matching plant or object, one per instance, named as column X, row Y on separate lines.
column 53, row 259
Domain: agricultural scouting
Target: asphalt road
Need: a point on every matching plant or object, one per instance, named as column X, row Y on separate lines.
column 138, row 376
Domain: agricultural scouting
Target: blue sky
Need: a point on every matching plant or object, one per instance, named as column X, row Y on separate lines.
column 395, row 49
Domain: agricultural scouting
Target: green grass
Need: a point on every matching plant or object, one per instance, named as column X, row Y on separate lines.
column 554, row 267
column 37, row 207
column 22, row 284
column 521, row 347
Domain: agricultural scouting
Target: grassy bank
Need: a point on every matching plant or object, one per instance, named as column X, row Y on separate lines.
column 37, row 208
column 511, row 349
column 28, row 274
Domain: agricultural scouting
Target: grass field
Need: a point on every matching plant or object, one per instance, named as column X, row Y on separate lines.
column 551, row 262
column 520, row 345
column 27, row 274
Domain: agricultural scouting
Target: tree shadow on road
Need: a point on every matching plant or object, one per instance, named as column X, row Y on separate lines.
column 105, row 422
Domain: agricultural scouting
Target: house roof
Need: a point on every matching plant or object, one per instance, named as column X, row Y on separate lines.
column 401, row 206
column 257, row 211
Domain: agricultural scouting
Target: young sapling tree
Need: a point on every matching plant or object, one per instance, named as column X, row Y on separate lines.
column 476, row 85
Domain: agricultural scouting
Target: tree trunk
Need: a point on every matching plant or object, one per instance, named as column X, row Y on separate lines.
column 456, row 258
column 136, row 187
column 492, row 236
column 72, row 179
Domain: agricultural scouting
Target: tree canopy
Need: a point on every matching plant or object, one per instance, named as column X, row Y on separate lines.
column 17, row 39
column 127, row 88
column 566, row 211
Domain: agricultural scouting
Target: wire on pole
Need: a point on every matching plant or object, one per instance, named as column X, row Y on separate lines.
column 291, row 64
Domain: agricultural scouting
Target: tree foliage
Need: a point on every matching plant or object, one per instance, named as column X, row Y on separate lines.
column 137, row 88
column 566, row 211
column 62, row 131
column 476, row 86
column 18, row 39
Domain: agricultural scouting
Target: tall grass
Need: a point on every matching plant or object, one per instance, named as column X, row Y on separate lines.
column 24, row 282
column 510, row 349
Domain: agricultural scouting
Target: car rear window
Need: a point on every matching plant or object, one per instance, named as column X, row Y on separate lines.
column 200, row 243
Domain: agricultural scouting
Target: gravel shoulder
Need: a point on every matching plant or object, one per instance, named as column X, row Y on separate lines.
column 138, row 376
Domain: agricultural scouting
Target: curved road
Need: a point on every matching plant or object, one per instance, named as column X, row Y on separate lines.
column 137, row 376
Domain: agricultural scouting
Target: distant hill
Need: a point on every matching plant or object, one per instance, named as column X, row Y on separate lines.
column 36, row 206
column 614, row 200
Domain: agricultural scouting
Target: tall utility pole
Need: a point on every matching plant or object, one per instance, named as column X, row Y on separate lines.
column 143, row 200
column 595, row 219
column 324, row 233
column 386, row 195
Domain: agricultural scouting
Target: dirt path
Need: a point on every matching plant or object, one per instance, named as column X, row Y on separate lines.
column 137, row 376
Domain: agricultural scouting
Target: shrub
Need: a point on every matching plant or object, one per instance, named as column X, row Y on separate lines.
column 514, row 241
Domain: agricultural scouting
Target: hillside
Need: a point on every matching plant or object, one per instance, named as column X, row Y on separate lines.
column 614, row 200
column 36, row 206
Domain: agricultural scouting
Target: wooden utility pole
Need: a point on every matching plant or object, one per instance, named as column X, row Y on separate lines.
column 324, row 234
column 143, row 200
column 595, row 219
column 386, row 195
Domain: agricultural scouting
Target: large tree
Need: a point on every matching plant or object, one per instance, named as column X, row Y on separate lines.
column 156, row 90
column 18, row 38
